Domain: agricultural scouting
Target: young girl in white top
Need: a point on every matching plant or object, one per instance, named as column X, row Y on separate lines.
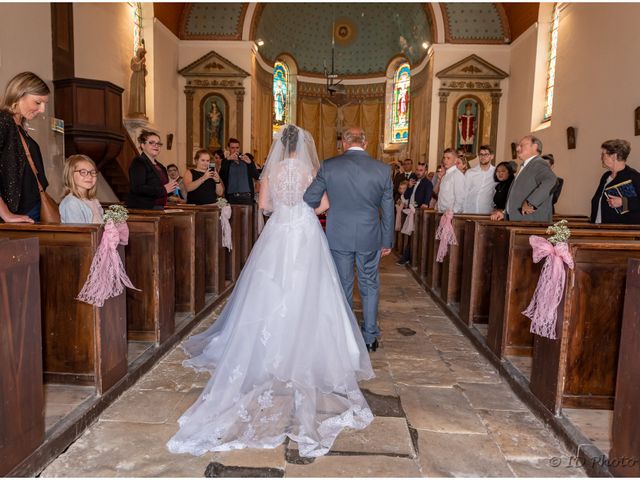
column 80, row 204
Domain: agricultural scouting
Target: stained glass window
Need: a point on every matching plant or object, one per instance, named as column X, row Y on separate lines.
column 136, row 12
column 401, row 97
column 551, row 70
column 281, row 91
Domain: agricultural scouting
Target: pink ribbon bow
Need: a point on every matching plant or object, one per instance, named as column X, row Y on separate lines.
column 446, row 235
column 543, row 309
column 107, row 276
column 408, row 226
column 225, row 215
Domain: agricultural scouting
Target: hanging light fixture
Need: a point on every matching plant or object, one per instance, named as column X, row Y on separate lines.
column 334, row 86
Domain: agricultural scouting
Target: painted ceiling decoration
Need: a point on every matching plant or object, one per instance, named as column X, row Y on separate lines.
column 475, row 23
column 208, row 21
column 368, row 35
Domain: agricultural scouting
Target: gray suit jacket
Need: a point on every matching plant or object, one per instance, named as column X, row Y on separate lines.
column 533, row 184
column 360, row 190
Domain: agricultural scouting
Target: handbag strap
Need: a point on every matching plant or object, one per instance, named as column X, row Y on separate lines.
column 33, row 167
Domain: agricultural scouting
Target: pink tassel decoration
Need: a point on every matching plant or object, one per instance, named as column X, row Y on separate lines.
column 225, row 215
column 446, row 235
column 543, row 309
column 107, row 276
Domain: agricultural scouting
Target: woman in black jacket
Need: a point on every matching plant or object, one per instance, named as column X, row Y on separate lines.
column 149, row 184
column 503, row 174
column 24, row 98
column 617, row 198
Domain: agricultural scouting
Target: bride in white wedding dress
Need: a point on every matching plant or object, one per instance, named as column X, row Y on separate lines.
column 286, row 352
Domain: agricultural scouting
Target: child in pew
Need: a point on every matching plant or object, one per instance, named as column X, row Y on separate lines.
column 80, row 204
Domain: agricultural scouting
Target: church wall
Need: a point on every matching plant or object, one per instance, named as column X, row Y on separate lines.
column 596, row 92
column 445, row 55
column 103, row 36
column 239, row 53
column 166, row 94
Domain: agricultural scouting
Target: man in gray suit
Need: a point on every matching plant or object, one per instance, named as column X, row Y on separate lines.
column 530, row 196
column 360, row 221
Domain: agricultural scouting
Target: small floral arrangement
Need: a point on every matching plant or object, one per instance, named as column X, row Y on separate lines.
column 222, row 202
column 559, row 232
column 116, row 213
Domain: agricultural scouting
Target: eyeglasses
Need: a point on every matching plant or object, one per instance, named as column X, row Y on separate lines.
column 154, row 144
column 83, row 173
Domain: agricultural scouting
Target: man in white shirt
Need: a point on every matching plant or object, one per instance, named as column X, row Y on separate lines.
column 452, row 193
column 480, row 184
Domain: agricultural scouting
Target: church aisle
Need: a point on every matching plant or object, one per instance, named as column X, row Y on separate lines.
column 441, row 410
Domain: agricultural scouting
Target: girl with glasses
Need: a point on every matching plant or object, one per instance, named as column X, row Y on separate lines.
column 80, row 204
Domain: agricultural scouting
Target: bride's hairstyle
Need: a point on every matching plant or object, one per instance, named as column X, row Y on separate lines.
column 292, row 142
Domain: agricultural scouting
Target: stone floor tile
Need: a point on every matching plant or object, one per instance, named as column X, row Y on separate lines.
column 394, row 431
column 470, row 367
column 356, row 466
column 382, row 384
column 452, row 343
column 492, row 396
column 122, row 449
column 460, row 455
column 439, row 326
column 546, row 467
column 146, row 406
column 520, row 435
column 440, row 410
column 173, row 377
column 420, row 372
column 252, row 457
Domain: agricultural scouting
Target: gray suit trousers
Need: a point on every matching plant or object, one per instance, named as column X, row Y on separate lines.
column 368, row 284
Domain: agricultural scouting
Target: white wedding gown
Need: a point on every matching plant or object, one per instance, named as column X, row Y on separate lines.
column 286, row 352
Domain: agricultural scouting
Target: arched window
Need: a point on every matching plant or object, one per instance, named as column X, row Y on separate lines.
column 136, row 13
column 551, row 68
column 281, row 95
column 401, row 98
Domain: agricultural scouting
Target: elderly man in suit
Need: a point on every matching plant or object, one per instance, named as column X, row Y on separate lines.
column 530, row 196
column 360, row 221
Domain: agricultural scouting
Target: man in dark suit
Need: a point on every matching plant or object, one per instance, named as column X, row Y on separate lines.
column 530, row 198
column 359, row 222
column 557, row 189
column 405, row 173
column 418, row 194
column 237, row 173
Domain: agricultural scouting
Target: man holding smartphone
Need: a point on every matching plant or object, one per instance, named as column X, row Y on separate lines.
column 238, row 171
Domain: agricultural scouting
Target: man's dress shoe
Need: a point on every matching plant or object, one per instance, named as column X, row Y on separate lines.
column 372, row 347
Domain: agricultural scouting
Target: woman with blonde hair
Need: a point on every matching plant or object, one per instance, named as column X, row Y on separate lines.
column 80, row 204
column 21, row 165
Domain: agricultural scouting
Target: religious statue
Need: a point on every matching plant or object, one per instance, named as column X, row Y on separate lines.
column 215, row 122
column 137, row 101
column 403, row 103
column 467, row 128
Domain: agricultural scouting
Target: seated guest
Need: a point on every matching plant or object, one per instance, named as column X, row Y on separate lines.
column 238, row 172
column 480, row 184
column 617, row 198
column 557, row 189
column 203, row 183
column 179, row 194
column 504, row 176
column 149, row 183
column 80, row 204
column 452, row 193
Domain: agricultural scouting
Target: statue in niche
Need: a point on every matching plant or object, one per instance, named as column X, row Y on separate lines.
column 467, row 125
column 137, row 87
column 213, row 126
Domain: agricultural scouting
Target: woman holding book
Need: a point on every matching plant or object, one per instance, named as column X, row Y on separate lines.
column 616, row 199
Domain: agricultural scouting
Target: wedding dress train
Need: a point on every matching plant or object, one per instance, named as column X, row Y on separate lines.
column 286, row 352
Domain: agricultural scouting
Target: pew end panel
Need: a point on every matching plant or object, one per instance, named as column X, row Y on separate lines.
column 22, row 421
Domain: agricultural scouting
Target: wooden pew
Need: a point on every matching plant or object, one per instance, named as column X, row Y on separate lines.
column 514, row 279
column 432, row 268
column 82, row 344
column 151, row 268
column 21, row 389
column 189, row 253
column 579, row 368
column 215, row 257
column 451, row 282
column 241, row 236
column 424, row 244
column 626, row 421
column 416, row 240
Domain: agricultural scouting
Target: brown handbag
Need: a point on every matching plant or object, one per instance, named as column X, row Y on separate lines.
column 49, row 211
